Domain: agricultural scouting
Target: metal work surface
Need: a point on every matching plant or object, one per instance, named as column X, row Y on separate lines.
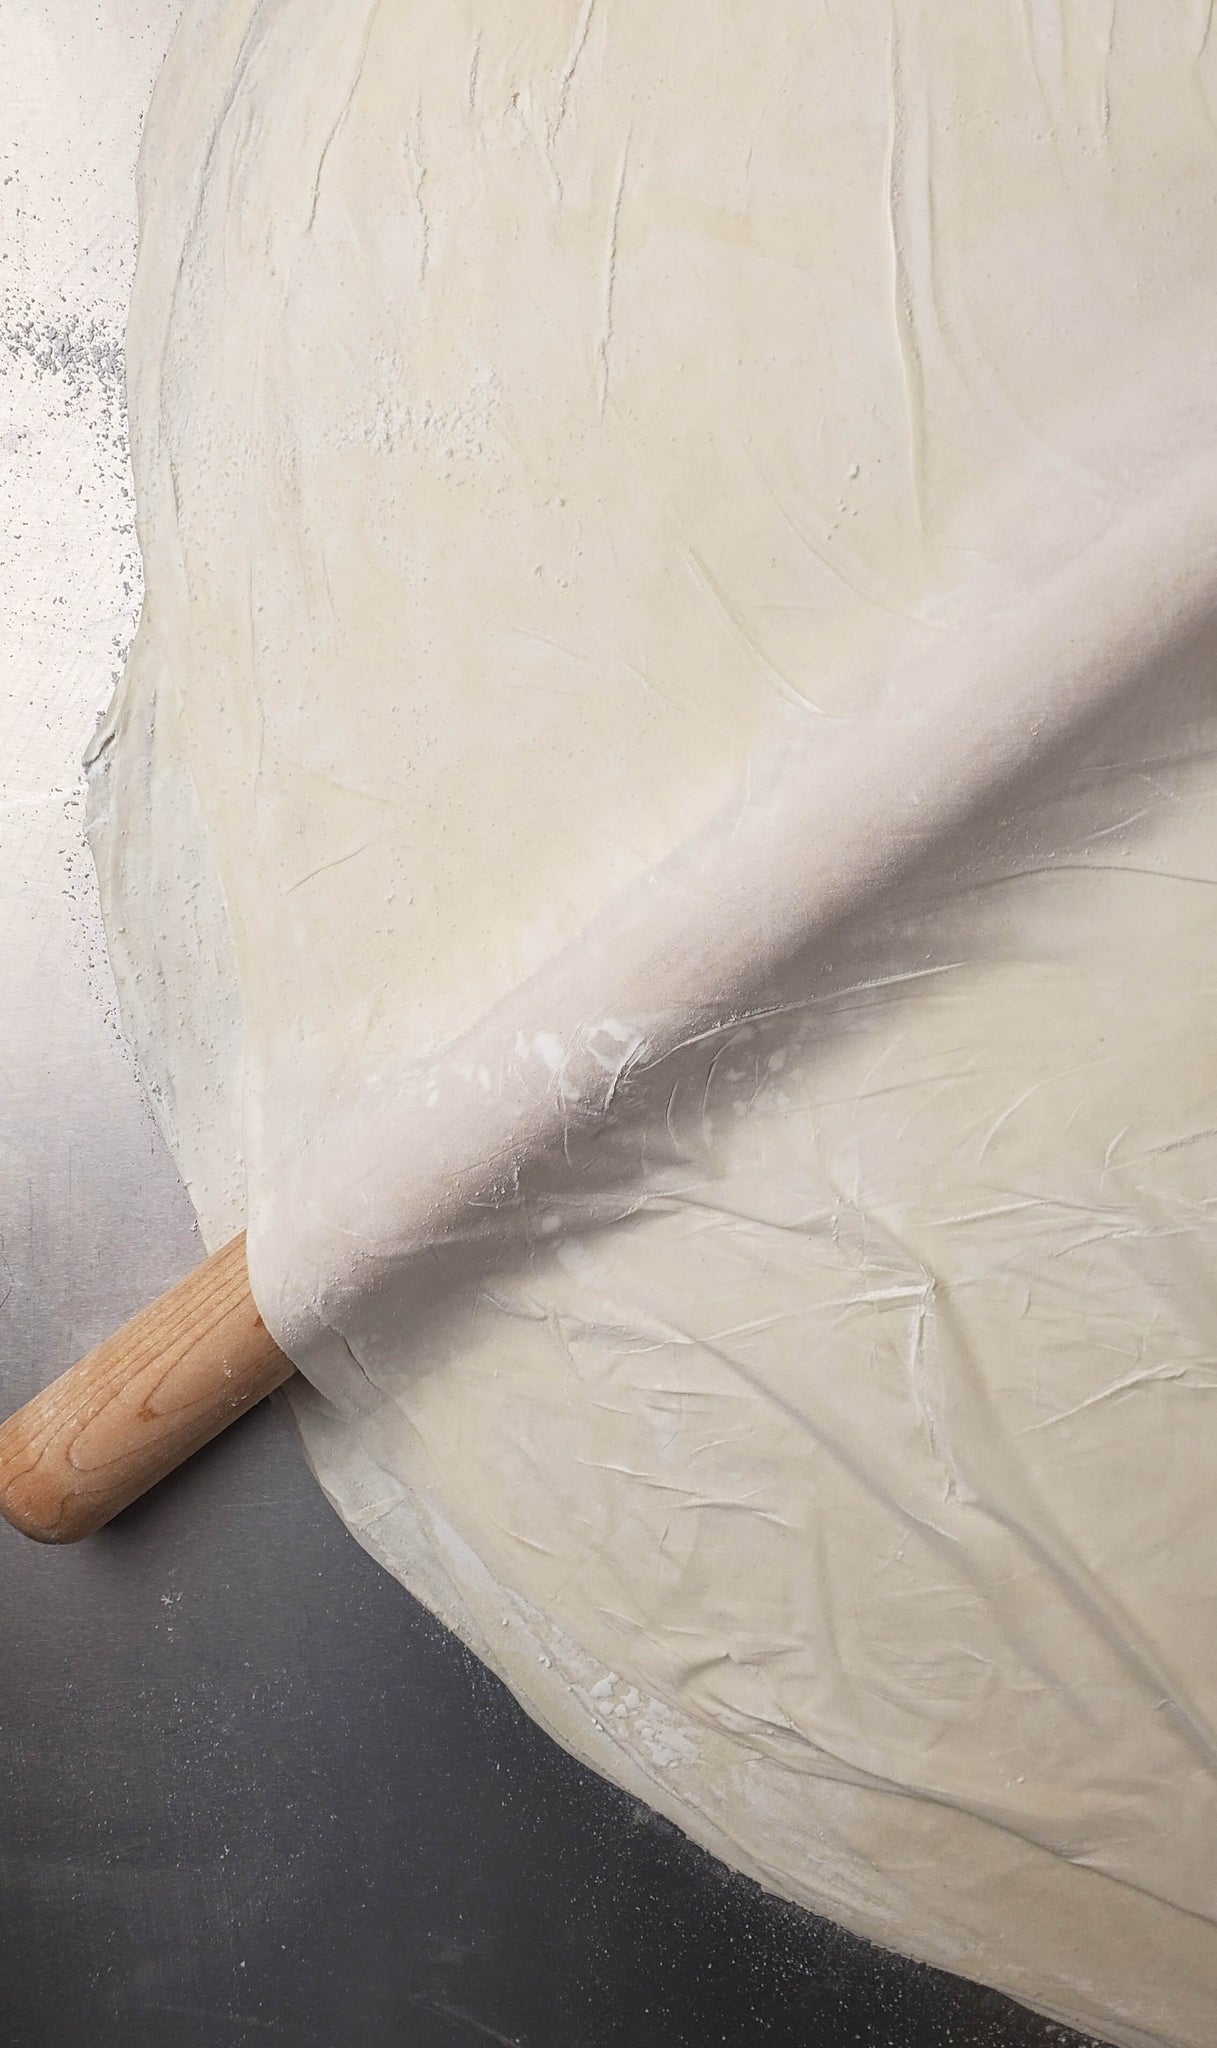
column 249, row 1790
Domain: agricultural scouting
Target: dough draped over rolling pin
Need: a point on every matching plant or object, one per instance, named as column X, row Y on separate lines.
column 659, row 842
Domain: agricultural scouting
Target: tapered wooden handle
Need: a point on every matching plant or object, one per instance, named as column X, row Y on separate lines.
column 152, row 1395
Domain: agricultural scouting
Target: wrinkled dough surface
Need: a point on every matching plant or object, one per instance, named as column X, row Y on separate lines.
column 659, row 830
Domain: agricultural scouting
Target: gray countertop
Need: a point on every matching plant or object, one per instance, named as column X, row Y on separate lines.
column 248, row 1790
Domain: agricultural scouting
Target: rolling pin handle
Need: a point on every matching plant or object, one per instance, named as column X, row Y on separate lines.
column 148, row 1398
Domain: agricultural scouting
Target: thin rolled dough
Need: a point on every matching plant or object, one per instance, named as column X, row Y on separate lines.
column 658, row 839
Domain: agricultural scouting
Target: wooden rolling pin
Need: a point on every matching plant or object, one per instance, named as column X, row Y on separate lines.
column 150, row 1396
column 683, row 949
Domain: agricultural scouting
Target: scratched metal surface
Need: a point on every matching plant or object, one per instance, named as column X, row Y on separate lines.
column 248, row 1790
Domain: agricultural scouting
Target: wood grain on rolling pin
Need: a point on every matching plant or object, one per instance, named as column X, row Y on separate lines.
column 150, row 1396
